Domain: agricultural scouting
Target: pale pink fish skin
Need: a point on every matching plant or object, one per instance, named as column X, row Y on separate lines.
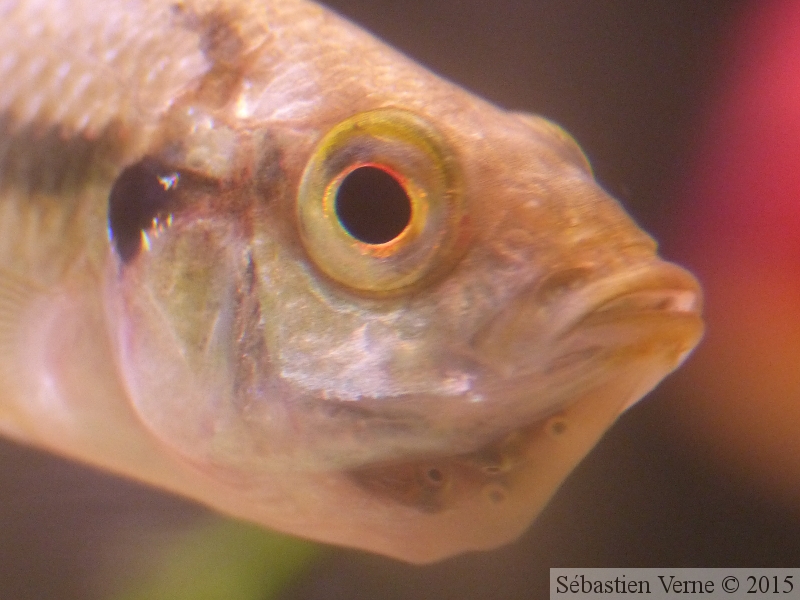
column 216, row 85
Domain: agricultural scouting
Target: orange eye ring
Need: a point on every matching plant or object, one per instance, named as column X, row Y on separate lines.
column 380, row 205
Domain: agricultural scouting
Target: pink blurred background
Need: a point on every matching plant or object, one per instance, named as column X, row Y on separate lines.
column 739, row 229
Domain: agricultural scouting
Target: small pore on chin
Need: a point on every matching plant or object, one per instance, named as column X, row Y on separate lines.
column 436, row 484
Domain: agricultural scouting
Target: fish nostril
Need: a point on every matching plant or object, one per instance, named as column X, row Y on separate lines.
column 562, row 282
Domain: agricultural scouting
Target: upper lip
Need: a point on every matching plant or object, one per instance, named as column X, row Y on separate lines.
column 655, row 303
column 661, row 290
column 653, row 310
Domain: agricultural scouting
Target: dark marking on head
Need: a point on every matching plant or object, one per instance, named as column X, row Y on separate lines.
column 219, row 39
column 254, row 361
column 433, row 485
column 269, row 176
column 142, row 194
column 419, row 485
column 224, row 47
column 40, row 161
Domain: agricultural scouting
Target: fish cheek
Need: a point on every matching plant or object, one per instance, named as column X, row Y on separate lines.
column 178, row 308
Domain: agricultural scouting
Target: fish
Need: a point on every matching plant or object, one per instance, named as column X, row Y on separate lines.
column 251, row 255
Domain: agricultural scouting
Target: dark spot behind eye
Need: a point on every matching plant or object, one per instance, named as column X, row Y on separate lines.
column 372, row 205
column 143, row 192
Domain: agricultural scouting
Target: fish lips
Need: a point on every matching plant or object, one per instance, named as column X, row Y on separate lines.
column 569, row 332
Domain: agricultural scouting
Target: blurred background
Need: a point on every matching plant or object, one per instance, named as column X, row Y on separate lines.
column 690, row 114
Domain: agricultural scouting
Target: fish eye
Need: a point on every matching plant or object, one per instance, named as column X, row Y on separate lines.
column 372, row 204
column 380, row 205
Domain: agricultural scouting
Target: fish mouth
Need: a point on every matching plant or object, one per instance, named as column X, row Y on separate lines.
column 569, row 332
column 656, row 300
column 655, row 296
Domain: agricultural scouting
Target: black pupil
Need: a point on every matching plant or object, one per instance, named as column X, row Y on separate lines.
column 137, row 197
column 372, row 205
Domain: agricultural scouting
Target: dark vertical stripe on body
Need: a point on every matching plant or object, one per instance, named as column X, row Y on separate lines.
column 38, row 160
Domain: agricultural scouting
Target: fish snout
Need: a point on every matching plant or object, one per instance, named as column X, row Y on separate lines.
column 570, row 331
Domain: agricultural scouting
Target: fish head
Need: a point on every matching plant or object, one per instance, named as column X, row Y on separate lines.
column 388, row 297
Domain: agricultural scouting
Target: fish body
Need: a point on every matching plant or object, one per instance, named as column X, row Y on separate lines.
column 251, row 255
